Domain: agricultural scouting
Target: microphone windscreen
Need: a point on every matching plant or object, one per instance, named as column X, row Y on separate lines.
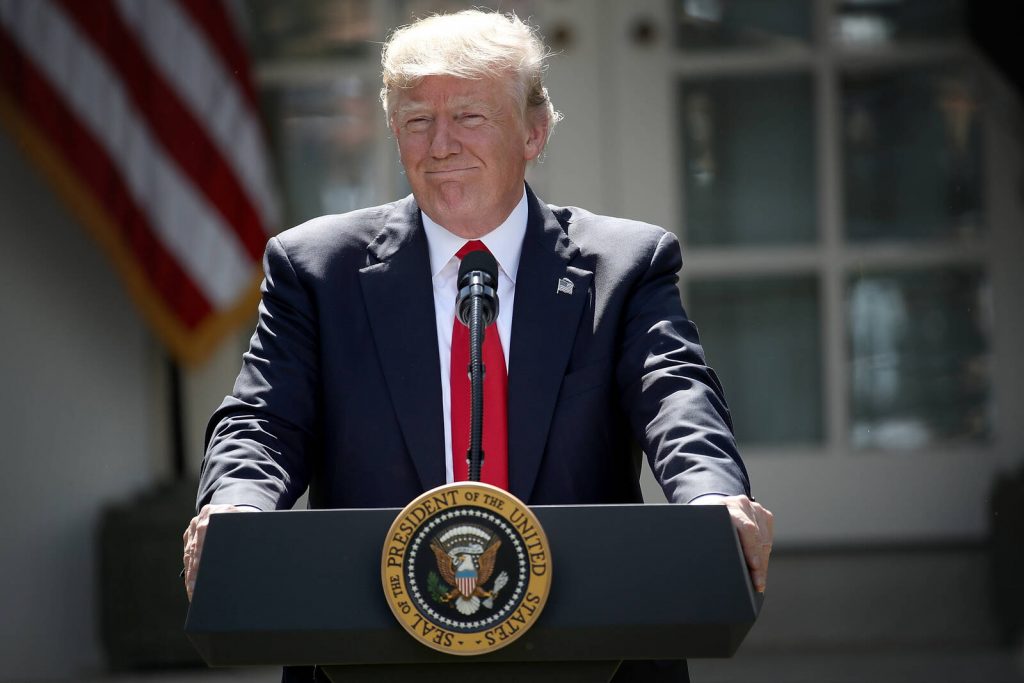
column 480, row 260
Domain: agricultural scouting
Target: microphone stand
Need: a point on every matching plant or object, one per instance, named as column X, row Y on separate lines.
column 475, row 455
column 477, row 307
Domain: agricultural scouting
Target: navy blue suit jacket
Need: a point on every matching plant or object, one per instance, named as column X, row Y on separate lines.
column 340, row 389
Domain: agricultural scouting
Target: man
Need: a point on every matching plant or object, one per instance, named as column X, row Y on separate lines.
column 347, row 387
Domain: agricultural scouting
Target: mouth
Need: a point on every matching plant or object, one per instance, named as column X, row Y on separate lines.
column 450, row 171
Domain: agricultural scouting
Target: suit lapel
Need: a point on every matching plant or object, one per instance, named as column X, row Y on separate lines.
column 400, row 305
column 544, row 323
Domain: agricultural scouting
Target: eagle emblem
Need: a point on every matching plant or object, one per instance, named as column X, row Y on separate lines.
column 465, row 557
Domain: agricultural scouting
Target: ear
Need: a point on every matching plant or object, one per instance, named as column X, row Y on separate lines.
column 536, row 136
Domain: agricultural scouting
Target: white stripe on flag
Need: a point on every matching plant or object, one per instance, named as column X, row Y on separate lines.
column 190, row 229
column 180, row 51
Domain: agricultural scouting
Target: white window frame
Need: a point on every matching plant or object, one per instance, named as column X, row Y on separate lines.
column 829, row 493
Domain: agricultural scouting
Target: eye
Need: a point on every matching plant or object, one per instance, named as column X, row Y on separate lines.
column 417, row 124
column 471, row 119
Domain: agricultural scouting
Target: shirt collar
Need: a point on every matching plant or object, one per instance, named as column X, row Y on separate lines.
column 505, row 242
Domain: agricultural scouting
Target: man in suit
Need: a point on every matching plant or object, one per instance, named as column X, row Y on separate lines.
column 345, row 388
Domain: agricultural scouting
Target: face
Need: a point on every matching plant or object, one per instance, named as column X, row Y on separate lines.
column 465, row 146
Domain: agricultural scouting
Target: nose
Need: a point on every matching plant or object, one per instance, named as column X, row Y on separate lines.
column 444, row 141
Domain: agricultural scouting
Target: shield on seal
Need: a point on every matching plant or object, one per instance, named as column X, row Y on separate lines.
column 465, row 578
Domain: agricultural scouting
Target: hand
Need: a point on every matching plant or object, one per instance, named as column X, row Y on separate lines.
column 193, row 539
column 756, row 527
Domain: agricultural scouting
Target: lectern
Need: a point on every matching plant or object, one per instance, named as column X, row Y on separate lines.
column 629, row 582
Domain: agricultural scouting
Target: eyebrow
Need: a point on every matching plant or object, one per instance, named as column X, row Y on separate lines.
column 458, row 102
column 406, row 109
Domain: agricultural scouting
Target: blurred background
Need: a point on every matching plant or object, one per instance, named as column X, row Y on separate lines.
column 846, row 180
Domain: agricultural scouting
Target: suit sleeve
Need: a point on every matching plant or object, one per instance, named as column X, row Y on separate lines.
column 259, row 440
column 674, row 401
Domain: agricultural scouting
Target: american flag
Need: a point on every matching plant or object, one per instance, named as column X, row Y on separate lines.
column 143, row 116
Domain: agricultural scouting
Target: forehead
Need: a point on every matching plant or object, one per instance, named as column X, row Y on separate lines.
column 449, row 91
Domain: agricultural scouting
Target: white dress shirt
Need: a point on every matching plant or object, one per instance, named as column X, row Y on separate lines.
column 505, row 242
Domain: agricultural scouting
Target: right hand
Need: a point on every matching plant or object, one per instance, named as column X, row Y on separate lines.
column 193, row 539
column 756, row 527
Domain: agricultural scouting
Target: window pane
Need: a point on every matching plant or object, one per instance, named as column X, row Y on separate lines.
column 874, row 22
column 311, row 28
column 324, row 137
column 920, row 359
column 749, row 161
column 912, row 156
column 762, row 336
column 703, row 24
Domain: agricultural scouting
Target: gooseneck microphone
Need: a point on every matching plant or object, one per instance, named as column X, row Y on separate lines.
column 477, row 307
column 478, row 279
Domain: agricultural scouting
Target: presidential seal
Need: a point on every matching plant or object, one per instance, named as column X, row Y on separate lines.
column 466, row 568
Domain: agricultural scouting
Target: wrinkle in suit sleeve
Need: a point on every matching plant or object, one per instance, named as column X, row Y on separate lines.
column 674, row 401
column 259, row 441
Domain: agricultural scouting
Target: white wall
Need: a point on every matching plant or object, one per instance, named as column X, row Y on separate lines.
column 82, row 421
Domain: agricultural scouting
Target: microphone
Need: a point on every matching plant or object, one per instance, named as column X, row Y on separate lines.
column 477, row 307
column 478, row 279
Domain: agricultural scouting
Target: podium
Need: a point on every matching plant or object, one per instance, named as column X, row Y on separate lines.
column 629, row 582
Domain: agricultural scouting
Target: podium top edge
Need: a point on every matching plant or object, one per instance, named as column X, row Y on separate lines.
column 590, row 506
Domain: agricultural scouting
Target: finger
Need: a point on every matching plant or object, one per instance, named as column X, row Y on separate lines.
column 198, row 529
column 750, row 536
column 751, row 540
column 188, row 573
column 201, row 524
column 190, row 532
column 766, row 521
column 189, row 547
column 196, row 548
column 201, row 527
column 766, row 525
column 196, row 540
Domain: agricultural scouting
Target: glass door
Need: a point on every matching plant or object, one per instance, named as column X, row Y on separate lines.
column 825, row 165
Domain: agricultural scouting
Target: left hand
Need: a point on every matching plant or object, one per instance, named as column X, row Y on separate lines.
column 193, row 539
column 756, row 527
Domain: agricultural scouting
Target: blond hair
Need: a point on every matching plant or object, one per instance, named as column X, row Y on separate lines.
column 471, row 44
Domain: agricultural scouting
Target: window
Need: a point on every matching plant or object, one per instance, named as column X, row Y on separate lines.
column 833, row 218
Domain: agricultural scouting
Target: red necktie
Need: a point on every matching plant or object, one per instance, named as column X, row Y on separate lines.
column 495, row 436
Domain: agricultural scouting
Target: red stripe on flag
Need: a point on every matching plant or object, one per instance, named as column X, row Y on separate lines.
column 183, row 138
column 222, row 37
column 44, row 107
